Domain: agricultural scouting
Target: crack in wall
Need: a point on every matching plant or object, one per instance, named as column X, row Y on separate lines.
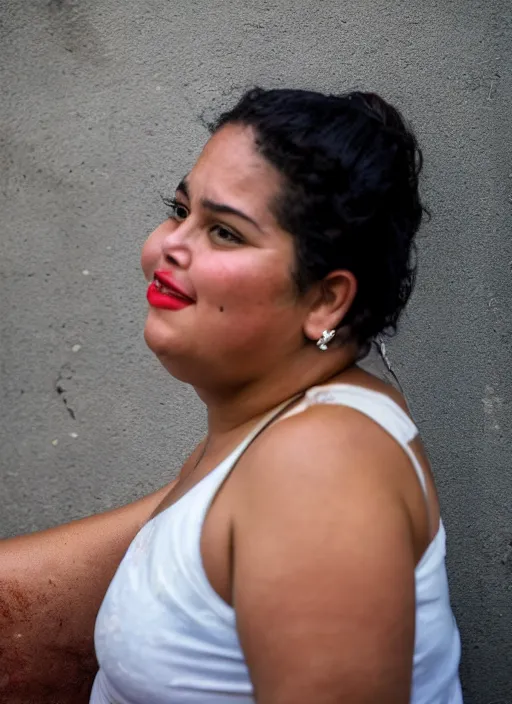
column 61, row 390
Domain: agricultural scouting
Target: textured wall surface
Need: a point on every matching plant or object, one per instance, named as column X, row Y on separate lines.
column 103, row 106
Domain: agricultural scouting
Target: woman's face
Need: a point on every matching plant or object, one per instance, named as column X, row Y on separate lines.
column 223, row 248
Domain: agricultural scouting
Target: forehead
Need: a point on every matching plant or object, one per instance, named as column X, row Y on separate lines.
column 230, row 170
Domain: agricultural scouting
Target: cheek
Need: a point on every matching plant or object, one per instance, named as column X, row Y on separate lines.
column 250, row 296
column 259, row 310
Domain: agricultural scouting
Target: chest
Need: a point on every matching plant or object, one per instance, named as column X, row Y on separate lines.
column 216, row 533
column 164, row 613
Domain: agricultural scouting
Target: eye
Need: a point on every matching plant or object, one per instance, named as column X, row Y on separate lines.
column 177, row 211
column 221, row 234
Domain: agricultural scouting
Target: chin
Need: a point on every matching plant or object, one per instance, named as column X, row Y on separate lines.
column 158, row 337
column 165, row 345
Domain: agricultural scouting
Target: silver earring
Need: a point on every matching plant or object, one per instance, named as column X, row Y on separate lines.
column 323, row 341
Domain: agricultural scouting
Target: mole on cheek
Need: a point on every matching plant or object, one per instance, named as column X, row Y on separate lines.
column 221, row 309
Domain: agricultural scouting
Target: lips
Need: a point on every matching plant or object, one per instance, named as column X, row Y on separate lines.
column 163, row 292
column 166, row 284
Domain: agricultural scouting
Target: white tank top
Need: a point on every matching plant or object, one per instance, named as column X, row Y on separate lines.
column 164, row 636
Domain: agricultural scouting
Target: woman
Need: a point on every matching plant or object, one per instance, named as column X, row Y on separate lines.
column 299, row 557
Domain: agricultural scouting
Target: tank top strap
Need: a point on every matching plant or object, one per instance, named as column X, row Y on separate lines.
column 221, row 472
column 264, row 423
column 377, row 406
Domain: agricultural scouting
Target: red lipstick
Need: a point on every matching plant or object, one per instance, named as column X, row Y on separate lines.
column 163, row 292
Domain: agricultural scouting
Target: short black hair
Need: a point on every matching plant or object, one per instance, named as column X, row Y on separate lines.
column 350, row 164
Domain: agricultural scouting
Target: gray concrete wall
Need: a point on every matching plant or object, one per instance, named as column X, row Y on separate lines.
column 103, row 107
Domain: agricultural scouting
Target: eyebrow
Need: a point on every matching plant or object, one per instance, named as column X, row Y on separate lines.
column 220, row 208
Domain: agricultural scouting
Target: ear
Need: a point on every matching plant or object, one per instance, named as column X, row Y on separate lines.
column 331, row 301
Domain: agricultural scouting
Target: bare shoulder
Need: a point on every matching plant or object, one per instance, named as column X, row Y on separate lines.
column 332, row 458
column 331, row 443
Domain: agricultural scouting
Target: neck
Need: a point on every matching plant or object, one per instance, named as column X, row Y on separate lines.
column 246, row 403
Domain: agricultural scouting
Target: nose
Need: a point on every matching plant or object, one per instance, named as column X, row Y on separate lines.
column 176, row 245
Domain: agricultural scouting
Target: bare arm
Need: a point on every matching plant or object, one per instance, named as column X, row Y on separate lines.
column 324, row 565
column 51, row 586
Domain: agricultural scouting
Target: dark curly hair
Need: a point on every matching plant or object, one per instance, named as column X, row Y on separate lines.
column 351, row 167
